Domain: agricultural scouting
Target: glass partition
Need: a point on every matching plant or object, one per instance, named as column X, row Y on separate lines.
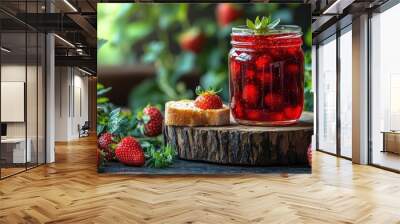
column 385, row 89
column 14, row 145
column 22, row 78
column 326, row 105
column 346, row 93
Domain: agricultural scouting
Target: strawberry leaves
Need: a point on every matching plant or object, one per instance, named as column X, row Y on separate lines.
column 161, row 158
column 263, row 25
column 209, row 90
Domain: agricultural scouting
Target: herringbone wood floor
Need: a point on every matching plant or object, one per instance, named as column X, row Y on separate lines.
column 70, row 191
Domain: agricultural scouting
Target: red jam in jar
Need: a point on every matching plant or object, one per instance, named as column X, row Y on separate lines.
column 266, row 73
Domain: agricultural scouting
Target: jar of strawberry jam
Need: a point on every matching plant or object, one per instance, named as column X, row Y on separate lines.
column 266, row 75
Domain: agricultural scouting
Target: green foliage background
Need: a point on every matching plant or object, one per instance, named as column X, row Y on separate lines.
column 131, row 33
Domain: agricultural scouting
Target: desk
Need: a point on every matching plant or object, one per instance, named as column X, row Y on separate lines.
column 16, row 147
column 391, row 141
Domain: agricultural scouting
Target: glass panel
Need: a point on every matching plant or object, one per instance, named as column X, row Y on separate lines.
column 346, row 94
column 32, row 87
column 385, row 84
column 32, row 98
column 41, row 99
column 13, row 87
column 327, row 96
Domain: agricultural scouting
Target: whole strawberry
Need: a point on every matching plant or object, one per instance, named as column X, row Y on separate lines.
column 207, row 99
column 192, row 40
column 129, row 152
column 227, row 13
column 153, row 125
column 251, row 94
column 104, row 142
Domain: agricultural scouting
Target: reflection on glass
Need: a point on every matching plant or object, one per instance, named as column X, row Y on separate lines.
column 327, row 96
column 15, row 151
column 41, row 98
column 385, row 84
column 31, row 97
column 346, row 94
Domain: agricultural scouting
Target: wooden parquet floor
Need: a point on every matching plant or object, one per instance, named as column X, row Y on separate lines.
column 70, row 191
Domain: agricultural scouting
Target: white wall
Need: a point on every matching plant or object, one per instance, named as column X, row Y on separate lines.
column 71, row 94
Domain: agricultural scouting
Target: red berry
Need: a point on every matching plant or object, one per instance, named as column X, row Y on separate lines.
column 262, row 62
column 104, row 142
column 293, row 51
column 273, row 100
column 292, row 69
column 254, row 115
column 153, row 126
column 250, row 74
column 208, row 100
column 227, row 13
column 265, row 78
column 235, row 69
column 292, row 112
column 192, row 40
column 251, row 94
column 237, row 108
column 275, row 116
column 129, row 152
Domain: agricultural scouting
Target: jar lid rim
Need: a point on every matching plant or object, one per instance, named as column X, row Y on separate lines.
column 280, row 29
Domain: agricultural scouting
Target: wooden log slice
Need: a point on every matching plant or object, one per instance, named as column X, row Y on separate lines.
column 243, row 145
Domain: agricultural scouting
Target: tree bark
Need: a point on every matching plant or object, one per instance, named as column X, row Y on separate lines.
column 242, row 145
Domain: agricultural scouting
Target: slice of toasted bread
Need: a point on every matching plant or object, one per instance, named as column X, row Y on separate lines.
column 185, row 113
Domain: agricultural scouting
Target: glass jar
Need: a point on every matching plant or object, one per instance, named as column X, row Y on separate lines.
column 266, row 73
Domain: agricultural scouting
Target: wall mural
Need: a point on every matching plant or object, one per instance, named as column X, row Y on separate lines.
column 204, row 88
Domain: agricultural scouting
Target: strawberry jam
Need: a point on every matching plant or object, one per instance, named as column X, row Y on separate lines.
column 266, row 76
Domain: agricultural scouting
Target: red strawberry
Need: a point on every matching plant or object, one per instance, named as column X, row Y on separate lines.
column 153, row 126
column 292, row 112
column 227, row 13
column 272, row 100
column 250, row 94
column 262, row 62
column 250, row 74
column 275, row 116
column 254, row 115
column 129, row 152
column 207, row 99
column 293, row 50
column 104, row 142
column 192, row 40
column 265, row 78
column 234, row 69
column 237, row 108
column 292, row 69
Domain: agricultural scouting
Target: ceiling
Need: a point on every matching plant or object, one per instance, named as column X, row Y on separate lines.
column 74, row 22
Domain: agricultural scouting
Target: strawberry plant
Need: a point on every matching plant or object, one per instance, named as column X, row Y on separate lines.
column 133, row 138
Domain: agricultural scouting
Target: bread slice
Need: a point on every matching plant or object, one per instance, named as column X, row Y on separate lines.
column 185, row 113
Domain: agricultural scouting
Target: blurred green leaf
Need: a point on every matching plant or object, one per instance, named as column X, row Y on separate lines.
column 137, row 31
column 183, row 65
column 103, row 91
column 100, row 43
column 152, row 51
